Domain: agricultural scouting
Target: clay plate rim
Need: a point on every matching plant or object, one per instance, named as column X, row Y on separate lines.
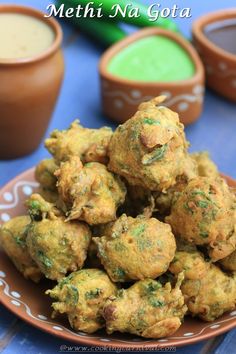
column 29, row 177
column 114, row 49
column 207, row 19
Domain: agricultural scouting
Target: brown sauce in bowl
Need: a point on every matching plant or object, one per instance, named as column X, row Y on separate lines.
column 223, row 34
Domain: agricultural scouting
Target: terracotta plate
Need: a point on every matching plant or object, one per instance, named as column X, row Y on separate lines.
column 28, row 301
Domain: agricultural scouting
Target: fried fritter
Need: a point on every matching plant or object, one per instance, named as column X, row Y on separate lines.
column 147, row 309
column 141, row 201
column 82, row 296
column 206, row 167
column 149, row 149
column 189, row 260
column 138, row 201
column 204, row 213
column 136, row 248
column 92, row 260
column 229, row 263
column 13, row 240
column 91, row 192
column 58, row 247
column 164, row 200
column 90, row 145
column 208, row 292
column 49, row 196
column 44, row 174
column 197, row 164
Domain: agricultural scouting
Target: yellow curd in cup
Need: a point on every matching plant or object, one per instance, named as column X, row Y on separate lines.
column 23, row 36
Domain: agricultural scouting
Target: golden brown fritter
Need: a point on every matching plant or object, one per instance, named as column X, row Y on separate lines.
column 147, row 309
column 90, row 145
column 208, row 292
column 136, row 248
column 197, row 164
column 138, row 201
column 189, row 260
column 91, row 192
column 39, row 208
column 82, row 296
column 164, row 200
column 229, row 263
column 206, row 167
column 49, row 196
column 13, row 240
column 204, row 213
column 149, row 149
column 92, row 260
column 44, row 174
column 57, row 247
column 141, row 201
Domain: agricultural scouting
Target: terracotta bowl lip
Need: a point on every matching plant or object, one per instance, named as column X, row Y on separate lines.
column 27, row 10
column 114, row 49
column 203, row 21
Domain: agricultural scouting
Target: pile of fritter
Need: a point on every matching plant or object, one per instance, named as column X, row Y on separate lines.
column 136, row 231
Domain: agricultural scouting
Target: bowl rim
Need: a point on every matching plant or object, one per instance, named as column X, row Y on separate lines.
column 51, row 22
column 117, row 47
column 203, row 21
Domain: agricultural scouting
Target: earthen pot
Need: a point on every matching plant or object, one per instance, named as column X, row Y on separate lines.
column 28, row 92
column 220, row 65
column 121, row 97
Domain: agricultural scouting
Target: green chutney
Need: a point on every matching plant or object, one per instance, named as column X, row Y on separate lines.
column 150, row 59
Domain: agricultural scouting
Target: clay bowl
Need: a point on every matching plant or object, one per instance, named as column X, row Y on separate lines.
column 121, row 97
column 220, row 65
column 28, row 91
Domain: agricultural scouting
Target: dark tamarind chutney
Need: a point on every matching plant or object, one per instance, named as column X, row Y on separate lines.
column 223, row 34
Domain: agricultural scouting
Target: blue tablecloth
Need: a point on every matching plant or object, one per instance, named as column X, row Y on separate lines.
column 80, row 98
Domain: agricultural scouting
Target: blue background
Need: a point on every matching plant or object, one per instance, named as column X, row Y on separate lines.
column 80, row 98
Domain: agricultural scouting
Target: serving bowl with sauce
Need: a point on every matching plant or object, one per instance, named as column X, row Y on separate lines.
column 31, row 72
column 214, row 36
column 149, row 63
